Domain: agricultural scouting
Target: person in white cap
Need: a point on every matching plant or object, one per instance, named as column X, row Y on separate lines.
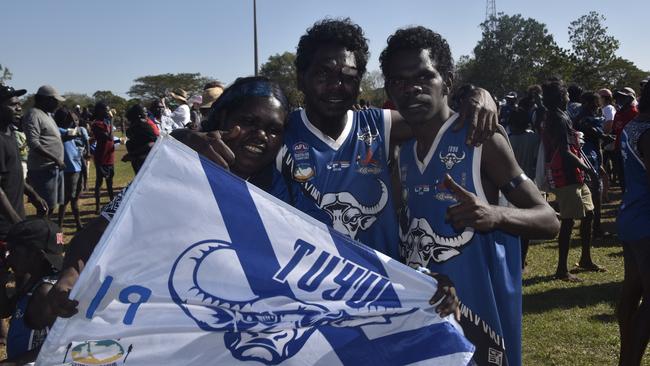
column 45, row 159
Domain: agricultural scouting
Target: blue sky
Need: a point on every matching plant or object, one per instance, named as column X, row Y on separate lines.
column 85, row 45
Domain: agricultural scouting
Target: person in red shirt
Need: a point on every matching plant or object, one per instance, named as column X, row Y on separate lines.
column 104, row 155
column 628, row 111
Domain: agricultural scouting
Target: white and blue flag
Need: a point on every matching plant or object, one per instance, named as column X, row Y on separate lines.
column 201, row 268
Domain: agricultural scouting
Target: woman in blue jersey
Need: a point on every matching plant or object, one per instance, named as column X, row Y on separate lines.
column 634, row 305
column 458, row 229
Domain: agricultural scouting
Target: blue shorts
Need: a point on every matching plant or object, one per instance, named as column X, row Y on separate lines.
column 48, row 183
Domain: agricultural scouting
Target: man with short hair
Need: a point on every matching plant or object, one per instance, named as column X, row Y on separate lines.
column 12, row 184
column 45, row 158
column 458, row 229
column 566, row 176
column 104, row 155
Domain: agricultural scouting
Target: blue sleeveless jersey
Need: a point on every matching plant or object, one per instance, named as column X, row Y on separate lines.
column 344, row 183
column 21, row 338
column 485, row 267
column 634, row 215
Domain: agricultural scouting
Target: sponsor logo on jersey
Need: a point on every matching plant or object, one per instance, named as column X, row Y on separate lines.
column 368, row 162
column 337, row 166
column 301, row 151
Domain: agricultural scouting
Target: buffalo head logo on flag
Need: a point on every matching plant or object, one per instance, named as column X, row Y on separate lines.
column 198, row 267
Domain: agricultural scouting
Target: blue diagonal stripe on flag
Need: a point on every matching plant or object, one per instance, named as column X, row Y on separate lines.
column 198, row 267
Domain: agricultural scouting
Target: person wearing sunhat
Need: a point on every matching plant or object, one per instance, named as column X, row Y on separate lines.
column 45, row 158
column 210, row 95
column 181, row 114
column 12, row 183
column 35, row 248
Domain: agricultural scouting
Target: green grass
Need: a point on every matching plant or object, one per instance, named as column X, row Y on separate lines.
column 563, row 323
column 573, row 323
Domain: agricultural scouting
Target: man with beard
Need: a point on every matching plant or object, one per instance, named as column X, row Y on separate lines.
column 458, row 229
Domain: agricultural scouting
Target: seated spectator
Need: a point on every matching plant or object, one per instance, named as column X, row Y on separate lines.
column 35, row 256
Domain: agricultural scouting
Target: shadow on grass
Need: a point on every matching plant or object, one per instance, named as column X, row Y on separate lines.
column 604, row 318
column 537, row 279
column 572, row 297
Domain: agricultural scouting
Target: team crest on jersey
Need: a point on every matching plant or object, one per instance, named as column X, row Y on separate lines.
column 303, row 172
column 369, row 161
column 451, row 158
column 421, row 245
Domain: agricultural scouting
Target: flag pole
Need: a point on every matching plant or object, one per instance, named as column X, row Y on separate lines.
column 255, row 32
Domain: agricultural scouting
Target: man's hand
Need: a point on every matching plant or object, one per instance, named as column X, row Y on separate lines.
column 470, row 210
column 60, row 163
column 40, row 204
column 479, row 110
column 447, row 293
column 59, row 302
column 212, row 144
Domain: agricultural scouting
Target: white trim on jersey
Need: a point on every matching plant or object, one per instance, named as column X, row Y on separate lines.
column 476, row 173
column 422, row 165
column 280, row 156
column 388, row 123
column 631, row 149
column 334, row 144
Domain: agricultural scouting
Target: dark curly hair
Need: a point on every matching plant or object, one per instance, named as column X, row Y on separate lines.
column 337, row 32
column 418, row 38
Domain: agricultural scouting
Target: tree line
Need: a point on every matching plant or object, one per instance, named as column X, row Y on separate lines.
column 513, row 53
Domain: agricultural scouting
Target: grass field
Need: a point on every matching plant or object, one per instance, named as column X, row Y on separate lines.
column 563, row 323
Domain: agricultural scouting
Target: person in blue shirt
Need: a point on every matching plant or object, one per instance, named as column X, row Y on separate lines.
column 633, row 311
column 451, row 222
column 68, row 121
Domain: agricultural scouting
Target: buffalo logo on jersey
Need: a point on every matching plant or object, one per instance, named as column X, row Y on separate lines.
column 303, row 169
column 421, row 244
column 348, row 215
column 370, row 161
column 451, row 158
column 271, row 324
